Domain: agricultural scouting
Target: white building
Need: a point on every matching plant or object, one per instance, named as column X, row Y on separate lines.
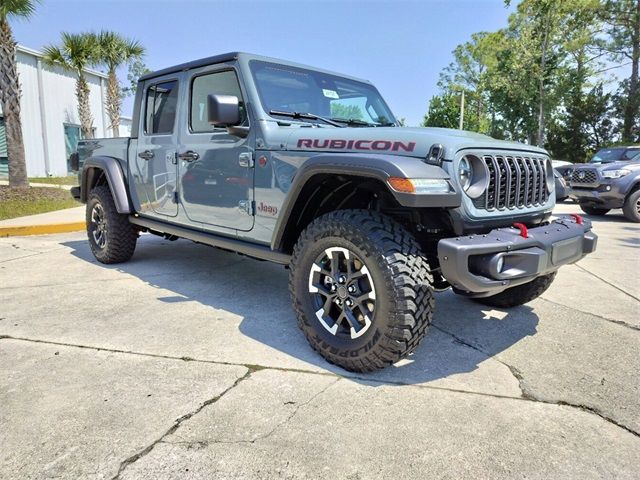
column 49, row 115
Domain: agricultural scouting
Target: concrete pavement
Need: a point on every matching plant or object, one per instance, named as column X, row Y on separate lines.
column 186, row 362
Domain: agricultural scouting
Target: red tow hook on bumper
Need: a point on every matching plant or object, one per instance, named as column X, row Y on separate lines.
column 578, row 218
column 524, row 231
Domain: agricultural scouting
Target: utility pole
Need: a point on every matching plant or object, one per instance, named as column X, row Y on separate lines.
column 462, row 111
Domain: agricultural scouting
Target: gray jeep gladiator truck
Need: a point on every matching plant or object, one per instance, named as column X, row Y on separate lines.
column 310, row 169
column 602, row 185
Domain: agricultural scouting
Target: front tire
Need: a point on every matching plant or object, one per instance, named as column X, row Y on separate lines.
column 111, row 237
column 594, row 211
column 520, row 294
column 361, row 289
column 631, row 208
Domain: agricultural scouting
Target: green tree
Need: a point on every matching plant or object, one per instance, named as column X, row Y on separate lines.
column 622, row 18
column 115, row 51
column 469, row 72
column 10, row 88
column 581, row 124
column 76, row 52
column 340, row 110
column 444, row 111
column 137, row 68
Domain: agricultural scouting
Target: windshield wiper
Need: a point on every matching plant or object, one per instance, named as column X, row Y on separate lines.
column 357, row 121
column 305, row 116
column 354, row 121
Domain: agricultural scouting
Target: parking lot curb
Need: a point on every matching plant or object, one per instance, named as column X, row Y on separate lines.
column 21, row 231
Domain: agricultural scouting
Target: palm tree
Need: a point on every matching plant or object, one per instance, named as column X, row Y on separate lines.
column 116, row 50
column 10, row 88
column 76, row 52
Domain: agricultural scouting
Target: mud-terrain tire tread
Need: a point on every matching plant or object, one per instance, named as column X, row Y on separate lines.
column 594, row 211
column 520, row 294
column 391, row 248
column 121, row 234
column 629, row 207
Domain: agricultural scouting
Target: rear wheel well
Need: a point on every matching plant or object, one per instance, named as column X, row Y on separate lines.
column 93, row 177
column 326, row 193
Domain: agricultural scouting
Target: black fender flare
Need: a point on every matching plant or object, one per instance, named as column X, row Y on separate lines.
column 110, row 167
column 377, row 166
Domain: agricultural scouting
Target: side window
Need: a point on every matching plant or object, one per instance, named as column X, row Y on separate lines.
column 219, row 83
column 160, row 108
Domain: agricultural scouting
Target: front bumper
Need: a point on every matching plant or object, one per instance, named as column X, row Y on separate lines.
column 483, row 265
column 605, row 195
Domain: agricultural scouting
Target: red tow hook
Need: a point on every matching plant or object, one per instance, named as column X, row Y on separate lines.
column 578, row 218
column 524, row 231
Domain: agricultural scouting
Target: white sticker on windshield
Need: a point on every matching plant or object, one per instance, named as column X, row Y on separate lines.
column 330, row 93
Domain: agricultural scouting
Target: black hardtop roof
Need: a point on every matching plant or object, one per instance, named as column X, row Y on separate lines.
column 202, row 62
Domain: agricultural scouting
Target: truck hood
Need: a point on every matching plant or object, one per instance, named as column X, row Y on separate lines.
column 627, row 165
column 414, row 142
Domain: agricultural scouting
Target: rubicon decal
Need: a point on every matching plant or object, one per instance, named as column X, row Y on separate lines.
column 337, row 144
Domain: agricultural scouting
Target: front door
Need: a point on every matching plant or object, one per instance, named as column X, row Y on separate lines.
column 155, row 163
column 214, row 167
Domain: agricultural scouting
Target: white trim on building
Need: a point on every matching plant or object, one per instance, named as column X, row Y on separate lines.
column 49, row 112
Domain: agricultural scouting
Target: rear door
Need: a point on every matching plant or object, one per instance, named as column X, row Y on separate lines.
column 155, row 162
column 215, row 168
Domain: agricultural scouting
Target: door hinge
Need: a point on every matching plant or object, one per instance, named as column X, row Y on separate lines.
column 247, row 206
column 245, row 159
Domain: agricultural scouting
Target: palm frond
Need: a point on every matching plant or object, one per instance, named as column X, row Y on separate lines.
column 116, row 50
column 17, row 8
column 53, row 55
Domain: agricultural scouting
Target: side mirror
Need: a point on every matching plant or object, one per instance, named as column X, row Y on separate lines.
column 223, row 110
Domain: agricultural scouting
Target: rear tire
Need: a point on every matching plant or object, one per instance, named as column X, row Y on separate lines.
column 594, row 211
column 631, row 208
column 361, row 289
column 520, row 294
column 111, row 237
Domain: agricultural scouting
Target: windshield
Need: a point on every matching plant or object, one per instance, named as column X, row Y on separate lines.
column 290, row 89
column 607, row 155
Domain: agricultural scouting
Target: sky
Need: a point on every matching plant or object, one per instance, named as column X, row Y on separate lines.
column 401, row 46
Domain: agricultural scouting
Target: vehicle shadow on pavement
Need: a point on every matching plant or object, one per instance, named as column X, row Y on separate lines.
column 464, row 334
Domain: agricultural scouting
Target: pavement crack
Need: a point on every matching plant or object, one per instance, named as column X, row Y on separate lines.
column 176, row 424
column 205, row 443
column 295, row 411
column 256, row 367
column 608, row 282
column 514, row 371
column 527, row 395
column 617, row 322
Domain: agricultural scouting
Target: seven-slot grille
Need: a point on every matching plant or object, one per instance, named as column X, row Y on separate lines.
column 584, row 176
column 514, row 182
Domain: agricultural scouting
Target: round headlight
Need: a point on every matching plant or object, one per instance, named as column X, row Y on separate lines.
column 465, row 173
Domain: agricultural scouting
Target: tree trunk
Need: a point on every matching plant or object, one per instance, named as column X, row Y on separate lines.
column 541, row 91
column 84, row 107
column 114, row 103
column 10, row 99
column 633, row 103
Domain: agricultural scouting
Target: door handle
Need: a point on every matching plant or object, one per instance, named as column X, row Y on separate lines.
column 146, row 155
column 189, row 156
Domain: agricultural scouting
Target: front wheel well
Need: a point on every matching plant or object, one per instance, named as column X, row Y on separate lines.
column 325, row 193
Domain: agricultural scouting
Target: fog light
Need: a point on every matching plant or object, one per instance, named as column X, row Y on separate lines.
column 608, row 188
column 500, row 264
